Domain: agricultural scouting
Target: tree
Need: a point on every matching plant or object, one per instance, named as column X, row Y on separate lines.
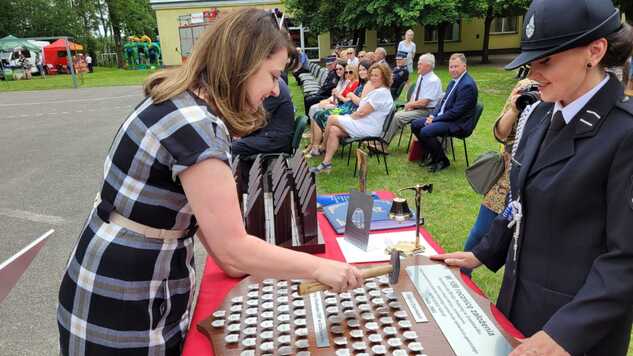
column 495, row 9
column 130, row 17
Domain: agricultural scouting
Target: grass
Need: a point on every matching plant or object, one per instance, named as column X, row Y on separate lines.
column 101, row 77
column 451, row 209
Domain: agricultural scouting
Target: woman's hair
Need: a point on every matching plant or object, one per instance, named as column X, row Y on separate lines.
column 224, row 58
column 365, row 64
column 354, row 69
column 385, row 73
column 620, row 47
column 408, row 31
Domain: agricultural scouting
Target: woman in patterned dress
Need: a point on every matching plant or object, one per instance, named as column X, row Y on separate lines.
column 494, row 201
column 130, row 281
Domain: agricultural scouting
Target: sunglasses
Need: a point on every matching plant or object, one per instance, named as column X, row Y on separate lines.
column 349, row 72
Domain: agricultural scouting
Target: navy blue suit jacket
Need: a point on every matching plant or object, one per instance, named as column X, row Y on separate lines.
column 460, row 105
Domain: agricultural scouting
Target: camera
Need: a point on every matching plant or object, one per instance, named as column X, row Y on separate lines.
column 529, row 95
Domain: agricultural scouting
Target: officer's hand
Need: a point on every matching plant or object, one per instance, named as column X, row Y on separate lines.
column 539, row 344
column 459, row 259
column 408, row 107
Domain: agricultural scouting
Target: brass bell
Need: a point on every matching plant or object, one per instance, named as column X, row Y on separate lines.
column 399, row 210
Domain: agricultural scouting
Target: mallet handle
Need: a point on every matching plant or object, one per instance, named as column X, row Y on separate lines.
column 369, row 272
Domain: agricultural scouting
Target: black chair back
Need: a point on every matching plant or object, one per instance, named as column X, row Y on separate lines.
column 388, row 120
column 479, row 109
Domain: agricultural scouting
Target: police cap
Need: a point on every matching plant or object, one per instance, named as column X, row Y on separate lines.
column 553, row 26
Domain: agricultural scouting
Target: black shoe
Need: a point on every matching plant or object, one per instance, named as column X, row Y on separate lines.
column 441, row 165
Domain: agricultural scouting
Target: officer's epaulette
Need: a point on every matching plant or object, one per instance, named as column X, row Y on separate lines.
column 626, row 104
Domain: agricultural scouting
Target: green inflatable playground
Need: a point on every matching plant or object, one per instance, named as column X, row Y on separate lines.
column 142, row 53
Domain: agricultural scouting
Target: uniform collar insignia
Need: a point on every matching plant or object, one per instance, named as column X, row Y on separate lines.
column 529, row 29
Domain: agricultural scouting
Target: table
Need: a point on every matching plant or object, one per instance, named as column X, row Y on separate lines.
column 215, row 285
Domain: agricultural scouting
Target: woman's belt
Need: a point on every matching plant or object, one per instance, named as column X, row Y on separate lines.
column 147, row 231
column 107, row 213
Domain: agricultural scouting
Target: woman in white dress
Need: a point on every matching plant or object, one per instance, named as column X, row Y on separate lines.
column 366, row 121
column 407, row 45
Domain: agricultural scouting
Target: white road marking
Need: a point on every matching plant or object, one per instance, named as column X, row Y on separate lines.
column 75, row 100
column 26, row 215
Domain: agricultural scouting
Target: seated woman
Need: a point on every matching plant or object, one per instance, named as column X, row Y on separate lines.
column 347, row 102
column 330, row 101
column 366, row 121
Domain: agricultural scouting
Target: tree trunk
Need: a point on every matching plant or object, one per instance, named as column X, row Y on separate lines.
column 104, row 23
column 441, row 35
column 487, row 24
column 116, row 31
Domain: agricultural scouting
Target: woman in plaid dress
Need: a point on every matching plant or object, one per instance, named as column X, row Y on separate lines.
column 129, row 282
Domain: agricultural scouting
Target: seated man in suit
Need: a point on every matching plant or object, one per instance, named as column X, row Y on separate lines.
column 276, row 136
column 326, row 90
column 427, row 93
column 400, row 73
column 451, row 117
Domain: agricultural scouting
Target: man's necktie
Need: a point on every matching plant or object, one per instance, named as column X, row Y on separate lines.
column 417, row 91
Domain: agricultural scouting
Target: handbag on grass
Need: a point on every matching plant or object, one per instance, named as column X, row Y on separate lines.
column 485, row 172
column 415, row 150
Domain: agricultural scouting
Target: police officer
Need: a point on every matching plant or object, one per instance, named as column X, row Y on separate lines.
column 326, row 89
column 400, row 74
column 568, row 249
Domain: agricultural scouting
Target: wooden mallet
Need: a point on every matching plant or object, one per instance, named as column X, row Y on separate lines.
column 392, row 269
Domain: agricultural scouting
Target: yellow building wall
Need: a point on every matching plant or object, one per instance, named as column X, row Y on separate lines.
column 471, row 39
column 471, row 35
column 167, row 21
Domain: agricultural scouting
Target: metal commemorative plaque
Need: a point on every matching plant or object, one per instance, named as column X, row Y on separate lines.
column 465, row 325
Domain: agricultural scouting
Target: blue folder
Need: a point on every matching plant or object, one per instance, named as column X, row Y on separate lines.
column 336, row 214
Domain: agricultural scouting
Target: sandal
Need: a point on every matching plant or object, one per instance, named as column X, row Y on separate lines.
column 323, row 167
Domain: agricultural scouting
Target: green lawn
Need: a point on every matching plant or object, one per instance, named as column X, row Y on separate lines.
column 449, row 211
column 452, row 207
column 101, row 77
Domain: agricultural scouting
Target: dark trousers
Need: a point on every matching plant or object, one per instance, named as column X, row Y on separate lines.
column 427, row 135
column 311, row 100
column 296, row 75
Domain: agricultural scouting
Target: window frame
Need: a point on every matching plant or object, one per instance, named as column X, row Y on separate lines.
column 459, row 33
column 506, row 32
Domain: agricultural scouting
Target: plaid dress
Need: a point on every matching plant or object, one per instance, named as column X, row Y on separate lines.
column 123, row 293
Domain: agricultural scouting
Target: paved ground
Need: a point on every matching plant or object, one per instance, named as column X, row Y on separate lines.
column 53, row 147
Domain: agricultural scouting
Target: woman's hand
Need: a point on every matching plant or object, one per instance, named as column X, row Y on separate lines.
column 459, row 259
column 539, row 344
column 338, row 276
column 516, row 93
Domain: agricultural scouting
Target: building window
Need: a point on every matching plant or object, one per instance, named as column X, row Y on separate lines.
column 504, row 25
column 452, row 33
column 343, row 39
column 387, row 37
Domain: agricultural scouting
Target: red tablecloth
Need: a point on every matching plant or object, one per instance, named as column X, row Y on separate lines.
column 215, row 285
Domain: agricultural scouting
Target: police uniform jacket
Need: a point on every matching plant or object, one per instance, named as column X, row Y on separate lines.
column 573, row 272
column 330, row 83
